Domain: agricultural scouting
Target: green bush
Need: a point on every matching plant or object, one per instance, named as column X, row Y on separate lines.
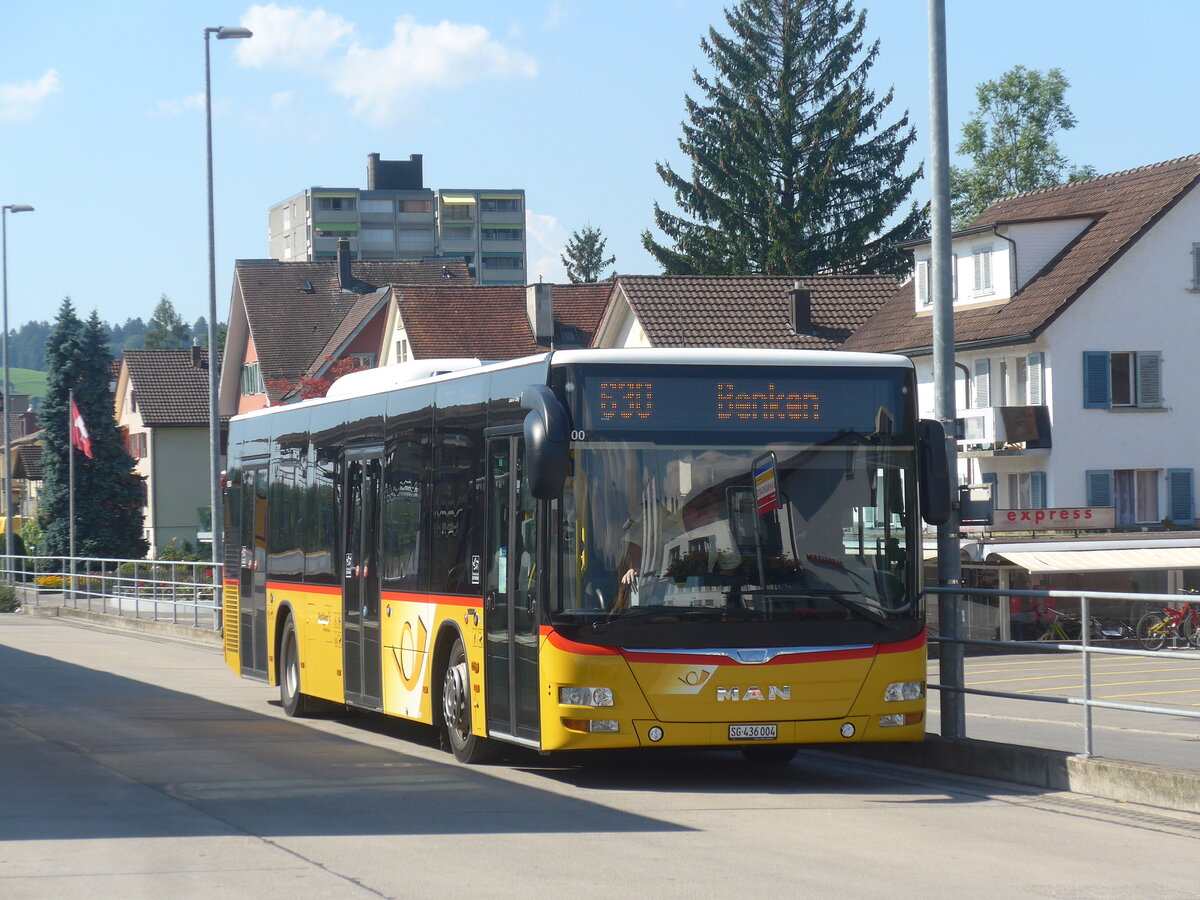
column 8, row 598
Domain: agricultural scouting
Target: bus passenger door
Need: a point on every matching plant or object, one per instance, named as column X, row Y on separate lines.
column 510, row 603
column 361, row 651
column 252, row 587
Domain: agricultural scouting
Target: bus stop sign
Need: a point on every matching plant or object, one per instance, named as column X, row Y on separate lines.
column 766, row 485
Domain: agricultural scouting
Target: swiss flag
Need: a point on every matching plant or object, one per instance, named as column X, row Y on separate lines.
column 79, row 432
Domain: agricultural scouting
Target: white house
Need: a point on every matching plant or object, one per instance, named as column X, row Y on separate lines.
column 1076, row 315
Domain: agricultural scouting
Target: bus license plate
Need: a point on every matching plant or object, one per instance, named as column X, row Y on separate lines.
column 753, row 732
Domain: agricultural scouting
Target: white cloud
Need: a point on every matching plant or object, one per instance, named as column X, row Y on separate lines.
column 546, row 240
column 379, row 82
column 173, row 108
column 554, row 16
column 20, row 102
column 422, row 58
column 281, row 100
column 290, row 37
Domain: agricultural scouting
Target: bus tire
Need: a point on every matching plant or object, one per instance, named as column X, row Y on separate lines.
column 456, row 710
column 770, row 754
column 293, row 702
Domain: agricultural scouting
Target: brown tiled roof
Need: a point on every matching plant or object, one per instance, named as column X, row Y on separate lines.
column 28, row 463
column 751, row 311
column 291, row 324
column 1124, row 205
column 171, row 386
column 490, row 321
column 356, row 316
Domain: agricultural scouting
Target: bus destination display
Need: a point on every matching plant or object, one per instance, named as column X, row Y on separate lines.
column 670, row 402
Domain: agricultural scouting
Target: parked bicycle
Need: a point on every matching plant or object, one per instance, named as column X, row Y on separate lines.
column 1180, row 625
column 1058, row 626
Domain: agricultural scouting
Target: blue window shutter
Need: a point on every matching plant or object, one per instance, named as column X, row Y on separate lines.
column 1099, row 487
column 1036, row 365
column 983, row 383
column 1097, row 375
column 1180, row 500
column 1037, row 490
column 1149, row 380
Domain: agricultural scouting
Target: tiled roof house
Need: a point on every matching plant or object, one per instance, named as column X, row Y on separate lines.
column 1076, row 311
column 818, row 312
column 162, row 408
column 287, row 317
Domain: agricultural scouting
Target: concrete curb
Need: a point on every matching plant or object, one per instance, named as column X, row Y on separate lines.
column 188, row 633
column 1057, row 770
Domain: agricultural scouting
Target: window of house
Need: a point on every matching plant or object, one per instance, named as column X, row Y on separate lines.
column 402, row 350
column 457, row 233
column 252, row 382
column 376, row 206
column 982, row 394
column 337, row 232
column 1116, row 379
column 1133, row 493
column 365, row 360
column 458, row 212
column 500, row 204
column 501, row 234
column 982, row 259
column 416, row 206
column 1027, row 490
column 502, row 262
column 133, row 401
column 342, row 203
column 414, row 236
column 378, row 235
column 1196, row 267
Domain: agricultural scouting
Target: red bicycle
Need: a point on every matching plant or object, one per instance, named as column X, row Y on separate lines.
column 1154, row 629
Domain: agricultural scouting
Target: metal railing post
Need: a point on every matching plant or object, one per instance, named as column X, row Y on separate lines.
column 1085, row 629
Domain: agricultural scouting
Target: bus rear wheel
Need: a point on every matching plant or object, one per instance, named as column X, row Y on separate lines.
column 770, row 754
column 468, row 747
column 293, row 702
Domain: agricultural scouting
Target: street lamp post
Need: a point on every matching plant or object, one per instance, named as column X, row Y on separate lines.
column 214, row 421
column 8, row 512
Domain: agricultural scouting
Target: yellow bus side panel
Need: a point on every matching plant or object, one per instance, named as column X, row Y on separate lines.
column 231, row 626
column 318, row 616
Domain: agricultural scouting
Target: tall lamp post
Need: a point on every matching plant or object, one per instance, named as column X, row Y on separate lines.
column 214, row 421
column 8, row 513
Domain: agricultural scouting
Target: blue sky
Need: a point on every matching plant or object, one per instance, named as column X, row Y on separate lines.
column 102, row 125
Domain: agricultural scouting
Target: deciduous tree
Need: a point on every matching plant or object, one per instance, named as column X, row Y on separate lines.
column 1010, row 140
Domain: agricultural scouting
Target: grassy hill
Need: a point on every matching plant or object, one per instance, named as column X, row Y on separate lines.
column 27, row 381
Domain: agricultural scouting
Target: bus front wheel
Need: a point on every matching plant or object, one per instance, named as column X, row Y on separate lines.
column 468, row 747
column 293, row 702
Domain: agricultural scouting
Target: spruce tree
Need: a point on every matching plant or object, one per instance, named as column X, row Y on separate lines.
column 584, row 256
column 166, row 329
column 108, row 493
column 793, row 169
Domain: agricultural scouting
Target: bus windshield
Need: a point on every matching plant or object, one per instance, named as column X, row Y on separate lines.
column 786, row 533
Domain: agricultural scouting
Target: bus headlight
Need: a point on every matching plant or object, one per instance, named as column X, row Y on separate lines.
column 895, row 720
column 585, row 696
column 904, row 690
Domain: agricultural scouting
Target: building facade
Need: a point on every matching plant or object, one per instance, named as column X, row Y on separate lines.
column 397, row 217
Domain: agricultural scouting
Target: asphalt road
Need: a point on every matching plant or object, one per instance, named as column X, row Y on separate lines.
column 1141, row 681
column 136, row 766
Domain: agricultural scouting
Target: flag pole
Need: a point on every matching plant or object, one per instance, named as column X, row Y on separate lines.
column 71, row 485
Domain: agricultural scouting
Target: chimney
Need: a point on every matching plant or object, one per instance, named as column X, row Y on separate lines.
column 539, row 306
column 372, row 170
column 801, row 309
column 199, row 357
column 343, row 264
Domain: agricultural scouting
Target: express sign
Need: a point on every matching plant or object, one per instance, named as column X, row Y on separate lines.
column 1058, row 519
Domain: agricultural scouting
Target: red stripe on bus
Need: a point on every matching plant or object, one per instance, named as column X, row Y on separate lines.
column 561, row 643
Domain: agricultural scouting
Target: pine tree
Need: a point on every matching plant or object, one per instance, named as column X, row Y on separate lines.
column 793, row 170
column 584, row 256
column 108, row 493
column 166, row 329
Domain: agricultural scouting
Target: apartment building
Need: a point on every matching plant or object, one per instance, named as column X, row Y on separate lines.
column 396, row 217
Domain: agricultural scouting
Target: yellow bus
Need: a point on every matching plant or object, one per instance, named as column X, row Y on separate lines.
column 594, row 549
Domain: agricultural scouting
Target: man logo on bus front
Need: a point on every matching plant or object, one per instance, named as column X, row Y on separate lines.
column 774, row 692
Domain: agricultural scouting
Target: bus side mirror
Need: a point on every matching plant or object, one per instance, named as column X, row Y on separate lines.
column 933, row 472
column 546, row 446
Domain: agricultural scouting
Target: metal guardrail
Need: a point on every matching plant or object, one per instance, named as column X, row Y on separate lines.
column 183, row 593
column 953, row 679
